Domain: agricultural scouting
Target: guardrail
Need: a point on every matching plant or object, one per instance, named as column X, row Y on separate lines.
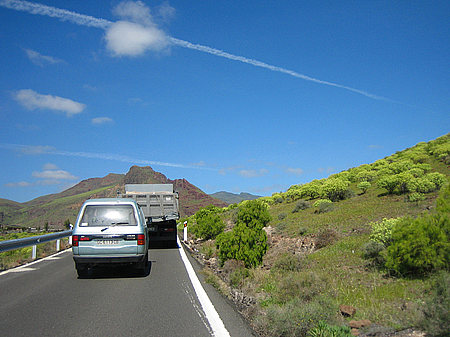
column 34, row 241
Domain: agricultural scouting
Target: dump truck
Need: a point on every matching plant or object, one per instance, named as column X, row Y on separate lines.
column 159, row 202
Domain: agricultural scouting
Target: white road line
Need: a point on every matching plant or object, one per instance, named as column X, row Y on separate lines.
column 213, row 317
column 26, row 267
column 19, row 270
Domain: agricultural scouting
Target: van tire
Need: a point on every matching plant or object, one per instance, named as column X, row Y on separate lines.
column 82, row 270
column 143, row 265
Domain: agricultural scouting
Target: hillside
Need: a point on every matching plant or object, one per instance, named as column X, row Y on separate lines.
column 232, row 198
column 57, row 208
column 321, row 255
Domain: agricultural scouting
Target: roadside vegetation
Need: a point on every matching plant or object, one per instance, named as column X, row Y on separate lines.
column 374, row 238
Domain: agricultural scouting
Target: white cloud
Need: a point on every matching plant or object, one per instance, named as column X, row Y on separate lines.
column 136, row 33
column 134, row 11
column 296, row 171
column 31, row 100
column 50, row 166
column 143, row 39
column 200, row 163
column 131, row 39
column 40, row 59
column 54, row 175
column 101, row 120
column 34, row 149
column 166, row 12
column 253, row 173
column 18, row 184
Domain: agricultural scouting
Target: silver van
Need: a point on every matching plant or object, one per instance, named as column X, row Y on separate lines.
column 110, row 231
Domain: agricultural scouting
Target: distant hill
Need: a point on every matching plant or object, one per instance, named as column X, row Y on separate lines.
column 57, row 208
column 232, row 198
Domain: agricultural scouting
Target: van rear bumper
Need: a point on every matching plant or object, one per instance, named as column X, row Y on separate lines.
column 108, row 259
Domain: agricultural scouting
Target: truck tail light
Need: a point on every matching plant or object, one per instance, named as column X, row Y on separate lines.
column 141, row 239
column 75, row 240
column 84, row 238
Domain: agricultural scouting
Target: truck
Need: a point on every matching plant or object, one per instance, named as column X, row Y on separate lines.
column 159, row 202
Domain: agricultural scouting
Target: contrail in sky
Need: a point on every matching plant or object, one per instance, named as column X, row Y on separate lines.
column 42, row 150
column 90, row 21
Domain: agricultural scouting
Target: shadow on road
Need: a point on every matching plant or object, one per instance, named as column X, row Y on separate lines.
column 163, row 245
column 104, row 272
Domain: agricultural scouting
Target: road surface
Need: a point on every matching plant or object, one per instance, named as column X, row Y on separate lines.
column 48, row 299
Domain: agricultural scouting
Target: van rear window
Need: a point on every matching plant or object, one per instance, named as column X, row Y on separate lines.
column 108, row 215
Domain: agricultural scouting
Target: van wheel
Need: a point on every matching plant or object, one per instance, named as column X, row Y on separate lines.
column 143, row 265
column 82, row 270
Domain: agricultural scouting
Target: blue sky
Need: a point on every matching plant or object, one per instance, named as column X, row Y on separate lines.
column 238, row 96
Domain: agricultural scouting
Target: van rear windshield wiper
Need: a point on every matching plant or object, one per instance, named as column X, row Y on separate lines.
column 113, row 224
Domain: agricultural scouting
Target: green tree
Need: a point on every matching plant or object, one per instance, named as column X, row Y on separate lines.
column 208, row 226
column 247, row 241
column 422, row 245
column 389, row 183
column 364, row 186
column 335, row 189
column 208, row 223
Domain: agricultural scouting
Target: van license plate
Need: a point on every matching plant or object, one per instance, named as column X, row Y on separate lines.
column 107, row 242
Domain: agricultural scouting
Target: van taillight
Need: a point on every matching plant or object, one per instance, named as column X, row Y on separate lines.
column 84, row 238
column 75, row 240
column 141, row 239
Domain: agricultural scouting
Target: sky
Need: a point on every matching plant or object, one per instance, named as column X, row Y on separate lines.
column 238, row 96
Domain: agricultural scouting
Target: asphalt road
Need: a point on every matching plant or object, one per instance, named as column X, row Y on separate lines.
column 48, row 299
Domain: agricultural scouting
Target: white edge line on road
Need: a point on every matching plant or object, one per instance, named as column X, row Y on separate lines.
column 18, row 269
column 213, row 317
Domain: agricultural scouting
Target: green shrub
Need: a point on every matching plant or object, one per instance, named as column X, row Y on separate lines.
column 374, row 251
column 335, row 189
column 296, row 318
column 303, row 286
column 438, row 179
column 282, row 216
column 208, row 226
column 421, row 185
column 311, row 190
column 322, row 201
column 401, row 166
column 389, row 183
column 436, row 320
column 326, row 237
column 247, row 241
column 416, row 197
column 235, row 272
column 323, row 205
column 382, row 230
column 365, row 175
column 324, row 330
column 288, row 262
column 364, row 186
column 420, row 245
column 416, row 172
column 254, row 214
column 404, row 180
column 300, row 205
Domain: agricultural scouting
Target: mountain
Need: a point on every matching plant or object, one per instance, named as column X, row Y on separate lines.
column 232, row 198
column 57, row 208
